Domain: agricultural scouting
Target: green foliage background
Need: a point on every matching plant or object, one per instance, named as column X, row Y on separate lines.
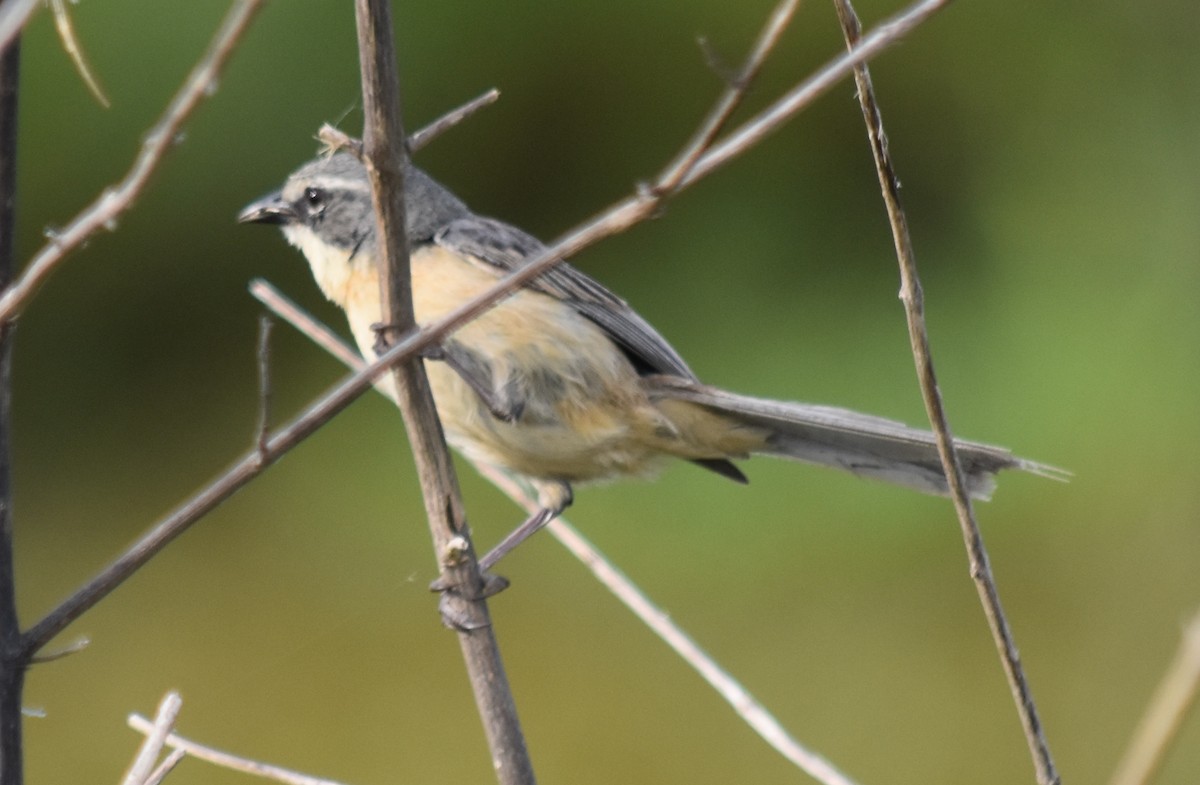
column 1048, row 155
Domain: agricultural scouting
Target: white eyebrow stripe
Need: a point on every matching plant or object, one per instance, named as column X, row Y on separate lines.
column 342, row 183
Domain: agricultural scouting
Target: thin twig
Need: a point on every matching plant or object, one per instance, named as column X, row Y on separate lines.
column 114, row 200
column 66, row 33
column 452, row 118
column 59, row 654
column 729, row 101
column 264, row 383
column 465, row 605
column 616, row 219
column 745, row 704
column 914, row 308
column 156, row 736
column 166, row 767
column 773, row 117
column 337, row 139
column 227, row 760
column 288, row 310
column 1174, row 698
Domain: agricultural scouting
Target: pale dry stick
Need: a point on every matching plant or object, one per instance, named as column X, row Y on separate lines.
column 914, row 309
column 730, row 100
column 66, row 33
column 1174, row 697
column 228, row 760
column 114, row 200
column 58, row 654
column 13, row 16
column 465, row 606
column 166, row 767
column 156, row 736
column 620, row 585
column 612, row 221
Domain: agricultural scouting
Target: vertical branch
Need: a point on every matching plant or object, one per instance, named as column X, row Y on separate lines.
column 914, row 308
column 383, row 151
column 13, row 659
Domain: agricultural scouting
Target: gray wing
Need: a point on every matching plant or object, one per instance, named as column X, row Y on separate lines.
column 508, row 248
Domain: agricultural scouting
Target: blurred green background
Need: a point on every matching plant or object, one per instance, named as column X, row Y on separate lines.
column 1050, row 170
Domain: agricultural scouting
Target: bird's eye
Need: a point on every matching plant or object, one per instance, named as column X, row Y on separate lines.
column 314, row 197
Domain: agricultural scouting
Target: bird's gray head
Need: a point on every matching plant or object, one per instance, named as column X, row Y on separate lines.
column 331, row 197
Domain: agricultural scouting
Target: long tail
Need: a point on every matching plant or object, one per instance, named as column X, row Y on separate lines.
column 861, row 444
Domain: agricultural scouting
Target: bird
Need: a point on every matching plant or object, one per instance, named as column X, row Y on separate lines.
column 562, row 383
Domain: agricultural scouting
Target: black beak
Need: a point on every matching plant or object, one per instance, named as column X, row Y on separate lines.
column 268, row 210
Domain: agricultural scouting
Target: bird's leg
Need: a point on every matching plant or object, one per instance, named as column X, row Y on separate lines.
column 477, row 374
column 471, row 369
column 554, row 496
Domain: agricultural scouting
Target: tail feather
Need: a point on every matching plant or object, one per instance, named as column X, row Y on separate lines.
column 862, row 444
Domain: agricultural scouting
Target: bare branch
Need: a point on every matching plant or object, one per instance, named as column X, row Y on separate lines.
column 227, row 760
column 771, row 119
column 659, row 621
column 113, row 201
column 337, row 139
column 728, row 103
column 156, row 736
column 1174, row 698
column 451, row 119
column 264, row 383
column 66, row 33
column 58, row 654
column 166, row 767
column 283, row 307
column 464, row 606
column 914, row 308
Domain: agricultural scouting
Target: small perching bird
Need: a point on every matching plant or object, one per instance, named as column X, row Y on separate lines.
column 562, row 382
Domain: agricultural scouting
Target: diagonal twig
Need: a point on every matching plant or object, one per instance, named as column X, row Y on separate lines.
column 183, row 746
column 914, row 308
column 625, row 590
column 729, row 101
column 143, row 766
column 452, row 118
column 166, row 767
column 118, row 198
column 1174, row 698
column 336, row 139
